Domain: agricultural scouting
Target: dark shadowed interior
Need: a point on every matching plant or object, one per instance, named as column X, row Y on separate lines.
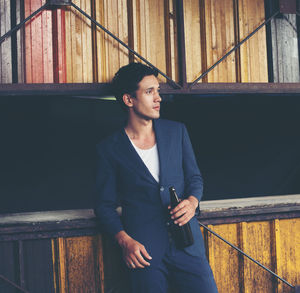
column 246, row 145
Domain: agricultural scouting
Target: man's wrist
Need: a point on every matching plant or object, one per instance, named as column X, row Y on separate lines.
column 122, row 237
column 194, row 201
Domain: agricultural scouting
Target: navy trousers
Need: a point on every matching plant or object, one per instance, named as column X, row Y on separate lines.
column 178, row 272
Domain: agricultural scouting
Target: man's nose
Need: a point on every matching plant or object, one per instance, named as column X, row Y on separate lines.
column 157, row 97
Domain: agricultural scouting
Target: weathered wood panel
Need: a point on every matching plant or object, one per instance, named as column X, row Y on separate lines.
column 38, row 44
column 78, row 43
column 223, row 258
column 256, row 241
column 220, row 38
column 149, row 31
column 254, row 67
column 287, row 239
column 212, row 28
column 274, row 244
column 79, row 264
column 285, row 50
column 20, row 42
column 59, row 46
column 5, row 46
column 94, row 263
column 110, row 54
column 8, row 265
column 193, row 40
column 38, row 268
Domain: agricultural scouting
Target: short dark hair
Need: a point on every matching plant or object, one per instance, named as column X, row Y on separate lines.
column 127, row 78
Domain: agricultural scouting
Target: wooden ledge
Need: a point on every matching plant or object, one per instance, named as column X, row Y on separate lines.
column 83, row 222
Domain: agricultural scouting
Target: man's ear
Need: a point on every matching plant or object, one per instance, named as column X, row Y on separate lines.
column 127, row 99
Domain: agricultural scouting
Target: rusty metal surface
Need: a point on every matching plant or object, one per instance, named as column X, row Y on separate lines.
column 288, row 6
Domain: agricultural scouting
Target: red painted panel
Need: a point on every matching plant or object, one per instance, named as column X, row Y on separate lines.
column 59, row 46
column 44, row 44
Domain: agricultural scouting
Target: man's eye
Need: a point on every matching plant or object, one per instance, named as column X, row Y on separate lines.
column 148, row 92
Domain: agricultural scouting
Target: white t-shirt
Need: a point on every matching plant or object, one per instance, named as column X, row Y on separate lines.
column 150, row 159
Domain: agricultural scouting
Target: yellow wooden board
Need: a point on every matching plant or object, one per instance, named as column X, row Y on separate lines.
column 223, row 259
column 112, row 14
column 256, row 241
column 254, row 66
column 219, row 19
column 192, row 39
column 79, row 44
column 287, row 237
column 78, row 264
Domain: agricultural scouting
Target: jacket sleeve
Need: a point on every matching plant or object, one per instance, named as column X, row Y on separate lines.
column 106, row 196
column 192, row 175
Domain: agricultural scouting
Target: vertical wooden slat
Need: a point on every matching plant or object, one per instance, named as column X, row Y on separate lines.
column 223, row 258
column 5, row 46
column 219, row 16
column 20, row 41
column 80, row 264
column 287, row 252
column 8, row 265
column 285, row 50
column 38, row 268
column 79, row 54
column 111, row 55
column 181, row 43
column 59, row 46
column 256, row 242
column 254, row 51
column 173, row 42
column 149, row 34
column 38, row 44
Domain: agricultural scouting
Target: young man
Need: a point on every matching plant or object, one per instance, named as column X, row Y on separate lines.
column 136, row 167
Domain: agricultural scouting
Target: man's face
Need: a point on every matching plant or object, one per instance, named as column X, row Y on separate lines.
column 146, row 104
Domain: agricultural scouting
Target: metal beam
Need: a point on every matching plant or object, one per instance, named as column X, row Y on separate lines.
column 96, row 90
column 17, row 27
column 287, row 6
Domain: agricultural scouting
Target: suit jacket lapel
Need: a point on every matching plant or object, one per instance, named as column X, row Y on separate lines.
column 162, row 146
column 131, row 158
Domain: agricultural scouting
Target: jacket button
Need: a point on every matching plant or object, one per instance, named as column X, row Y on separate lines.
column 162, row 188
column 168, row 223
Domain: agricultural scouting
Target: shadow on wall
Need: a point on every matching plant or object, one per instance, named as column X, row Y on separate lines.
column 245, row 146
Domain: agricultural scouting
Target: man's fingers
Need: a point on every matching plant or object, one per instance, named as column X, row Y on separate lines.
column 145, row 252
column 179, row 214
column 179, row 206
column 141, row 260
column 183, row 220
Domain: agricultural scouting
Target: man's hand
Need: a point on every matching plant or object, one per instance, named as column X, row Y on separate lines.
column 134, row 253
column 184, row 211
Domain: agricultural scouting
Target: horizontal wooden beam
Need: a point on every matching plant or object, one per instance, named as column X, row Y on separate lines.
column 96, row 90
column 38, row 225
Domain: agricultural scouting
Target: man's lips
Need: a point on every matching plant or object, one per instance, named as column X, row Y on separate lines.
column 156, row 108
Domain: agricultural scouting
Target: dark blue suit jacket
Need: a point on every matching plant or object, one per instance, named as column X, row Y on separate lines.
column 123, row 180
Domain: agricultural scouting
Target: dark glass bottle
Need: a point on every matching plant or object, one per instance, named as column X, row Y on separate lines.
column 182, row 235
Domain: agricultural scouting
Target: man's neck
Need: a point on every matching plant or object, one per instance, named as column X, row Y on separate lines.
column 139, row 128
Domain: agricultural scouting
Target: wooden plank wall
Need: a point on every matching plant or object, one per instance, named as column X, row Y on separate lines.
column 38, row 44
column 5, row 47
column 63, row 46
column 112, row 14
column 254, row 51
column 285, row 52
column 79, row 44
column 213, row 28
column 93, row 264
